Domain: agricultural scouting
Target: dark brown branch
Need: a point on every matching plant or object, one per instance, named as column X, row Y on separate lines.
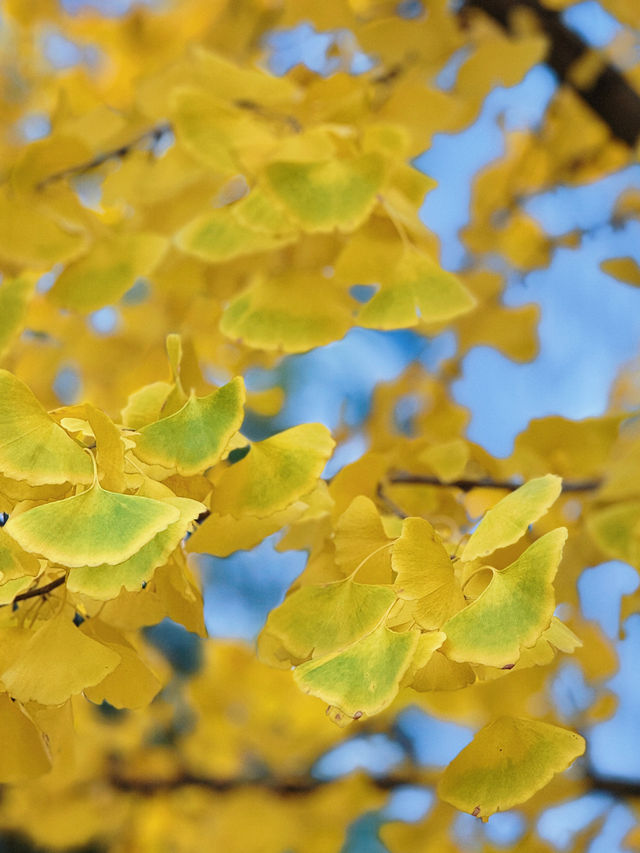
column 465, row 485
column 153, row 134
column 610, row 95
column 284, row 787
column 39, row 590
column 611, row 785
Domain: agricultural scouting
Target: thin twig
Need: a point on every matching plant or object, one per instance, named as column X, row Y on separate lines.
column 39, row 590
column 466, row 485
column 154, row 133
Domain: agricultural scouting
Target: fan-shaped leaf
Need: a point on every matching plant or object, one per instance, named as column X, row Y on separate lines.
column 509, row 519
column 32, row 446
column 506, row 763
column 513, row 610
column 92, row 528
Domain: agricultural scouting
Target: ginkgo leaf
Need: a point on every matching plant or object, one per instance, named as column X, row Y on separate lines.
column 428, row 643
column 24, row 754
column 32, row 446
column 616, row 530
column 261, row 212
column 507, row 762
column 144, row 406
column 109, row 445
column 216, row 236
column 275, row 472
column 32, row 237
column 509, row 519
column 326, row 195
column 221, row 535
column 514, row 609
column 425, row 574
column 59, row 661
column 440, row 673
column 195, row 437
column 361, row 542
column 91, row 528
column 624, row 269
column 110, row 269
column 14, row 562
column 292, row 313
column 363, row 678
column 131, row 684
column 317, row 620
column 14, row 297
column 106, row 581
column 418, row 290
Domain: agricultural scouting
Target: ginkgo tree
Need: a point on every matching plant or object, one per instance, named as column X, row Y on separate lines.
column 234, row 217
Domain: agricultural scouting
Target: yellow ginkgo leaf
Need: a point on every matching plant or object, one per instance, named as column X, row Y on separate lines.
column 14, row 297
column 317, row 620
column 59, row 661
column 512, row 612
column 362, row 544
column 196, row 436
column 109, row 445
column 419, row 290
column 106, row 581
column 32, row 446
column 507, row 762
column 363, row 678
column 217, row 236
column 92, row 528
column 14, row 562
column 108, row 271
column 509, row 519
column 440, row 673
column 221, row 535
column 425, row 574
column 21, row 221
column 275, row 472
column 616, row 530
column 24, row 754
column 624, row 269
column 131, row 684
column 262, row 213
column 292, row 313
column 326, row 195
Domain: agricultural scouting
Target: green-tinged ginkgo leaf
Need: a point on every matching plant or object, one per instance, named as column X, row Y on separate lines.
column 624, row 269
column 363, row 678
column 106, row 581
column 514, row 609
column 195, row 437
column 425, row 574
column 32, row 446
column 131, row 684
column 507, row 762
column 225, row 137
column 317, row 620
column 24, row 754
column 275, row 472
column 14, row 297
column 217, row 236
column 59, row 661
column 108, row 271
column 330, row 194
column 14, row 562
column 293, row 313
column 509, row 519
column 616, row 530
column 418, row 290
column 221, row 535
column 361, row 543
column 261, row 212
column 92, row 528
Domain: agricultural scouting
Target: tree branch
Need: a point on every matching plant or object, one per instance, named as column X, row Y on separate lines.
column 466, row 485
column 38, row 590
column 154, row 134
column 610, row 95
